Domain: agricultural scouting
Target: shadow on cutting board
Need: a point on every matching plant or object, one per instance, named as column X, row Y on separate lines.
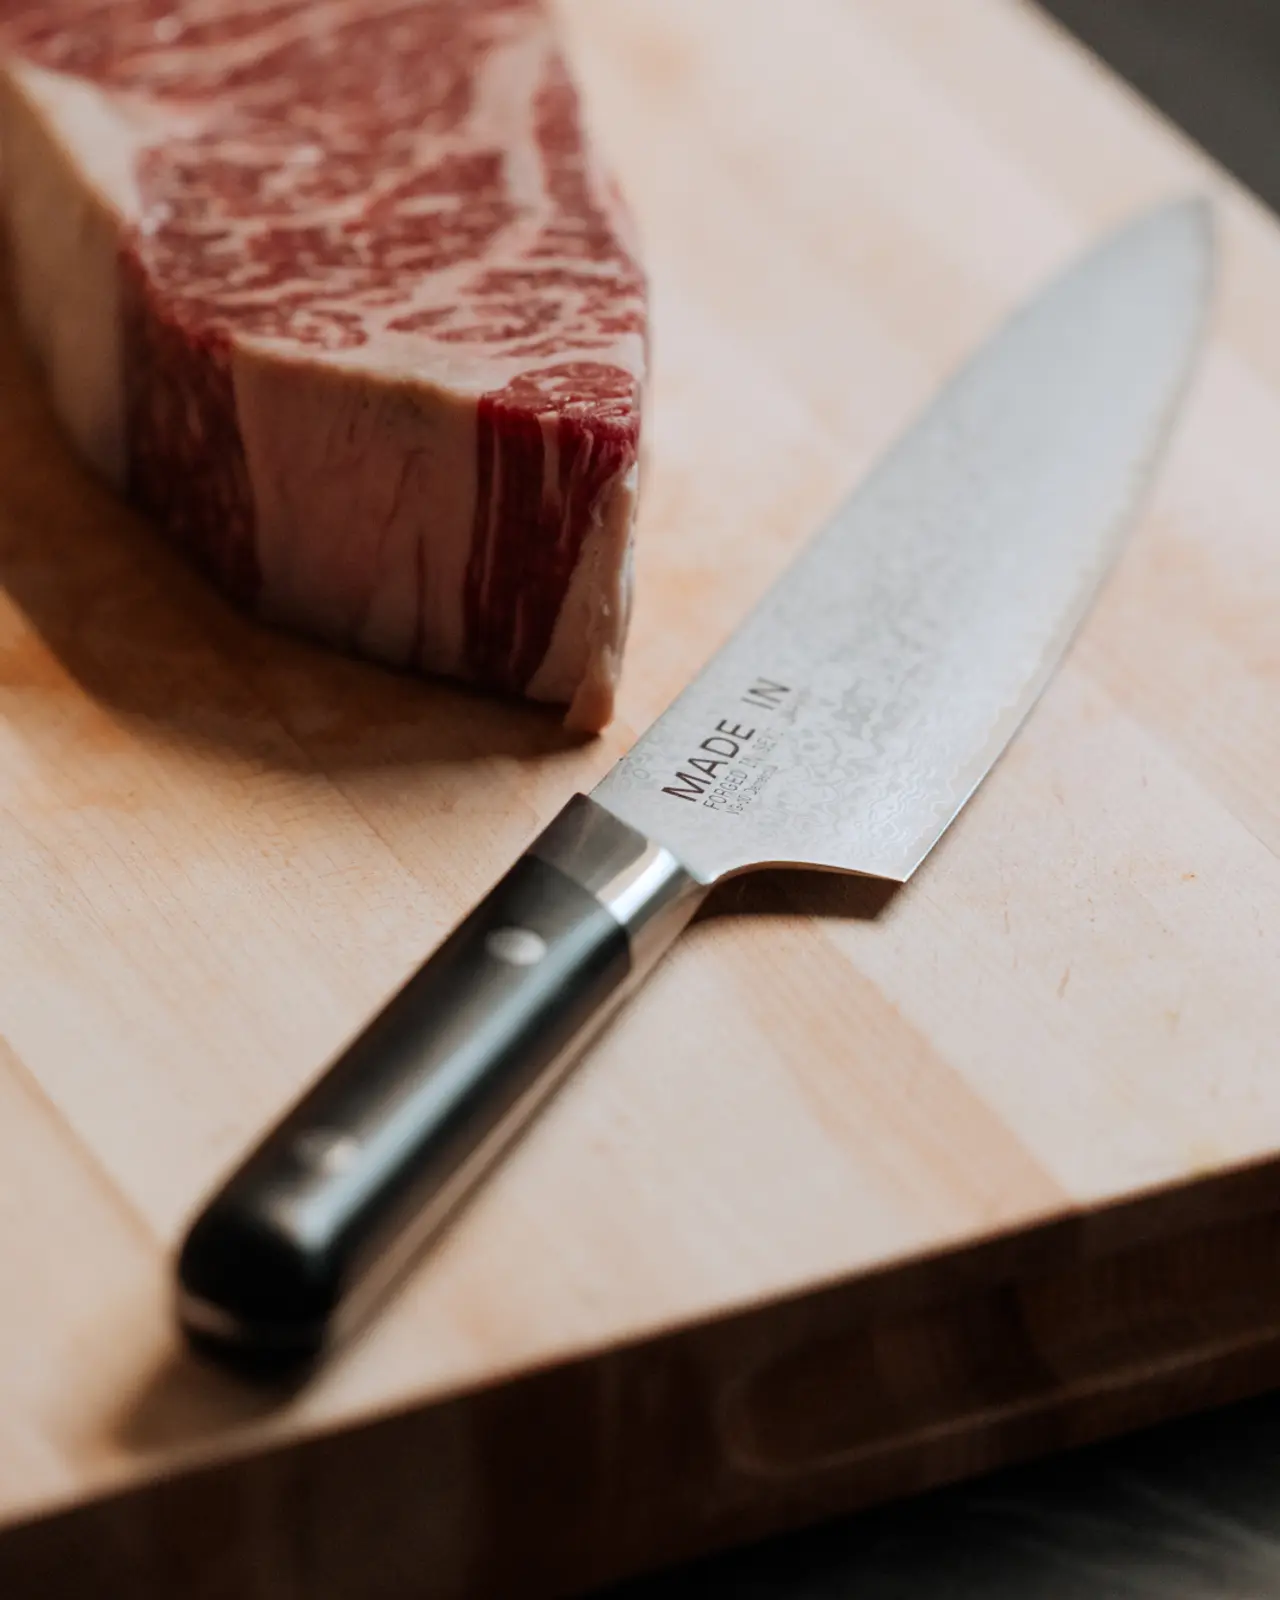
column 793, row 892
column 120, row 615
column 187, row 1402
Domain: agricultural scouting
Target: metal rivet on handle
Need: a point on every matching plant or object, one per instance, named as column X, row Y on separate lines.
column 518, row 947
column 330, row 1153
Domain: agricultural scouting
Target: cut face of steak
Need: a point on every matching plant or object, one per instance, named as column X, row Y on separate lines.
column 337, row 291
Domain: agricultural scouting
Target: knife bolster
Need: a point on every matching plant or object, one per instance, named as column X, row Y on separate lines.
column 638, row 881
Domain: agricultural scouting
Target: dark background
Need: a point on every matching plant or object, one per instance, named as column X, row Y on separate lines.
column 1190, row 1511
column 1213, row 66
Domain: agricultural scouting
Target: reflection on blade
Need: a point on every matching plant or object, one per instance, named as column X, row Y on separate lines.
column 853, row 714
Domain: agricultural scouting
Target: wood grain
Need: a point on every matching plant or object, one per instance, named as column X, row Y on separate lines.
column 866, row 1190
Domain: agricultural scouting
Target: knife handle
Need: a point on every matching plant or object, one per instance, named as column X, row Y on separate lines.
column 329, row 1210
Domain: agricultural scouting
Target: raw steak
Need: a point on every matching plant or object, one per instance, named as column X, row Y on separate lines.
column 336, row 290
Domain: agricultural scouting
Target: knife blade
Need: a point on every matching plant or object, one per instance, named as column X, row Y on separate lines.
column 843, row 726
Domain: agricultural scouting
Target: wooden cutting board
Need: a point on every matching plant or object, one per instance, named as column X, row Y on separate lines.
column 864, row 1192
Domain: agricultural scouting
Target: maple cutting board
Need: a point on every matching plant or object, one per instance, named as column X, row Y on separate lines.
column 865, row 1191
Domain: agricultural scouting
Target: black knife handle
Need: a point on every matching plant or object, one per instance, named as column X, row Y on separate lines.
column 337, row 1200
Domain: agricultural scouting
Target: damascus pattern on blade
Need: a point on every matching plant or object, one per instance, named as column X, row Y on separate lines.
column 853, row 714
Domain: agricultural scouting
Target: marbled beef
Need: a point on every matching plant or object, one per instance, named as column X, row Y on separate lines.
column 337, row 291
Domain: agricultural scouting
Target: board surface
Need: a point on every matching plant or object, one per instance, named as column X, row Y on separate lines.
column 864, row 1191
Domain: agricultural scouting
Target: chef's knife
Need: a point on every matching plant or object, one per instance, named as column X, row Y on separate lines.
column 843, row 726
